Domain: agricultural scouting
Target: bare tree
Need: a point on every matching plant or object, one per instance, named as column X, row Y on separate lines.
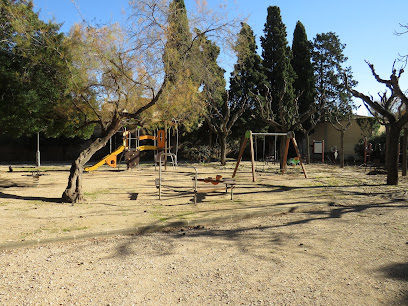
column 221, row 119
column 392, row 109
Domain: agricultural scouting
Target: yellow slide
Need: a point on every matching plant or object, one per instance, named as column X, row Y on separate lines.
column 108, row 159
column 143, row 148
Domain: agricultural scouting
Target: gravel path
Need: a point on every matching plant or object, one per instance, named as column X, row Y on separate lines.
column 354, row 255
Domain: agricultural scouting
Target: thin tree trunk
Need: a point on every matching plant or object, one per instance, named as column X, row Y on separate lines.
column 73, row 193
column 210, row 138
column 342, row 148
column 223, row 146
column 307, row 148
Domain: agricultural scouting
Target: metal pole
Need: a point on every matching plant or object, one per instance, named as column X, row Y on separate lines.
column 38, row 159
column 159, row 176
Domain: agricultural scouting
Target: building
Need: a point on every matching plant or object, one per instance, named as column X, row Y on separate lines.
column 332, row 137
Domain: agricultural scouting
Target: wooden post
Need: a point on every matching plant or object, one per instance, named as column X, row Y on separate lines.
column 285, row 155
column 251, row 142
column 322, row 150
column 241, row 152
column 298, row 155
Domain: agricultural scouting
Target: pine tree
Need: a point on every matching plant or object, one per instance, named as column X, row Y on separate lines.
column 328, row 60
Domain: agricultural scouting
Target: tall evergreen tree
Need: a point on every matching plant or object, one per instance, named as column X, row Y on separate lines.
column 179, row 39
column 277, row 64
column 247, row 79
column 304, row 85
column 329, row 59
column 277, row 103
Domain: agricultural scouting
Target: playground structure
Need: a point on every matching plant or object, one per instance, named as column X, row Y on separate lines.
column 290, row 136
column 132, row 154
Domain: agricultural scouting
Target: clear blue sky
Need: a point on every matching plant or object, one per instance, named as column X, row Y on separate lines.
column 366, row 26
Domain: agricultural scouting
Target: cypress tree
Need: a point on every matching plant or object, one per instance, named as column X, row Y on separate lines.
column 247, row 74
column 247, row 79
column 178, row 39
column 277, row 64
column 304, row 85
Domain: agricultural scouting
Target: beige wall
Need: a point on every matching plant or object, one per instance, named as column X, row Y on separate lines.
column 325, row 131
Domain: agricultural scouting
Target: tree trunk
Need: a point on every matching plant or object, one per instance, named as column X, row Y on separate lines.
column 223, row 146
column 307, row 148
column 73, row 193
column 404, row 152
column 282, row 152
column 342, row 148
column 210, row 137
column 393, row 154
column 387, row 145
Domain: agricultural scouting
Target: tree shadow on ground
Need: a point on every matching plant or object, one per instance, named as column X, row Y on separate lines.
column 181, row 229
column 29, row 198
column 398, row 271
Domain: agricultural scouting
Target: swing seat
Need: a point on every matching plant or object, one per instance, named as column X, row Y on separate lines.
column 270, row 159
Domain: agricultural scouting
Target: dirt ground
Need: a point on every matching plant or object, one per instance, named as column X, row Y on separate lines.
column 339, row 237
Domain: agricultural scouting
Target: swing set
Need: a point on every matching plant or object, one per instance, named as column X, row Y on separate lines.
column 249, row 135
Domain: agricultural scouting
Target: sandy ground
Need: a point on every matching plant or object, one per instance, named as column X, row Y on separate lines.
column 339, row 237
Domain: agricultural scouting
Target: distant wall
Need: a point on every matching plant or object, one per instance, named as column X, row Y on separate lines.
column 51, row 149
column 325, row 131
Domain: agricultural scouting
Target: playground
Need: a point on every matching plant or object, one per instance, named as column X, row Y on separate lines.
column 127, row 201
column 117, row 199
column 337, row 237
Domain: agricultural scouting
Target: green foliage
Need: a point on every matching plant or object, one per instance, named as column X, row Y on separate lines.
column 34, row 75
column 212, row 78
column 304, row 85
column 328, row 59
column 179, row 40
column 247, row 79
column 277, row 63
column 182, row 69
column 369, row 125
column 377, row 144
column 248, row 73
